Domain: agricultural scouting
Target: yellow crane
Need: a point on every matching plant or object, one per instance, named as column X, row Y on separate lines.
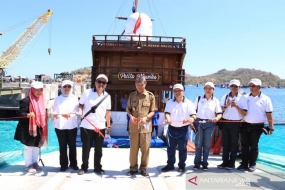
column 14, row 50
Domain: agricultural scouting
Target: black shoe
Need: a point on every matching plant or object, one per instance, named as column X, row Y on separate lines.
column 129, row 173
column 166, row 169
column 181, row 170
column 196, row 167
column 81, row 172
column 74, row 167
column 252, row 168
column 99, row 171
column 222, row 166
column 230, row 167
column 205, row 168
column 63, row 168
column 144, row 173
column 242, row 167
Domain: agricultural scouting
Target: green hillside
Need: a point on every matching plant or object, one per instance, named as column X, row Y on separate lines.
column 244, row 75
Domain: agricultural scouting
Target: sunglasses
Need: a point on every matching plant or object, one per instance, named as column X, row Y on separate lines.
column 101, row 82
column 66, row 86
column 234, row 86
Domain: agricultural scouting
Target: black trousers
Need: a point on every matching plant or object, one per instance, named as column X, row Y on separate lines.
column 230, row 135
column 88, row 137
column 67, row 137
column 156, row 129
column 250, row 134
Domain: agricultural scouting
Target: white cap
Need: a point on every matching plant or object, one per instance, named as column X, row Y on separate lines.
column 235, row 81
column 65, row 82
column 179, row 86
column 255, row 81
column 102, row 76
column 37, row 85
column 210, row 84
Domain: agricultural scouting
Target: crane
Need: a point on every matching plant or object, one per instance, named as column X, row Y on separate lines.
column 14, row 50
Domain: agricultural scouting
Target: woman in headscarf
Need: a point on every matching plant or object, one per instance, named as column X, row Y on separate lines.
column 65, row 124
column 208, row 113
column 31, row 130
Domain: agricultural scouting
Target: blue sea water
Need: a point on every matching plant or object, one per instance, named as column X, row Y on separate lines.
column 272, row 148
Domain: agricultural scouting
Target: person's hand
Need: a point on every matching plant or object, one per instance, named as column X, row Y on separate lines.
column 56, row 116
column 270, row 132
column 143, row 120
column 215, row 119
column 134, row 119
column 41, row 144
column 234, row 104
column 191, row 120
column 168, row 121
column 228, row 103
column 79, row 114
column 66, row 115
column 108, row 130
column 31, row 114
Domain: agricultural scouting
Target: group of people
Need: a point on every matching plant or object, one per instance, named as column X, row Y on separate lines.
column 94, row 110
column 238, row 114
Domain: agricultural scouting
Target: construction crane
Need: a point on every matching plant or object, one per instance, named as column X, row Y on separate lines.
column 14, row 50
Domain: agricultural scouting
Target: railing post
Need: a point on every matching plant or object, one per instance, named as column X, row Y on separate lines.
column 1, row 82
column 20, row 81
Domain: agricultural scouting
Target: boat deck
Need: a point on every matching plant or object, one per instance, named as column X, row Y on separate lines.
column 115, row 162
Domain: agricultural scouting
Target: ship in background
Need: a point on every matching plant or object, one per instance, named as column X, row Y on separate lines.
column 136, row 52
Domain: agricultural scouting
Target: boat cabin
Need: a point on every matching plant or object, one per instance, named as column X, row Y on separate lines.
column 121, row 60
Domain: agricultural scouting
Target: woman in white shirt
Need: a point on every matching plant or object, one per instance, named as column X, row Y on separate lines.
column 65, row 124
column 208, row 113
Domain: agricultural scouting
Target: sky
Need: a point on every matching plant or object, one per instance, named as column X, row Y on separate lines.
column 220, row 34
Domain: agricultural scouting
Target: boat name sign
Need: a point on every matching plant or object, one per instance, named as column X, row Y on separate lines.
column 133, row 75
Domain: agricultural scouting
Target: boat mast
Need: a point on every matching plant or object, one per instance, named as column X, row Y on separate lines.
column 136, row 5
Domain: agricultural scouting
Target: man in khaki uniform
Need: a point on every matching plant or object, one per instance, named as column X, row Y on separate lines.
column 140, row 108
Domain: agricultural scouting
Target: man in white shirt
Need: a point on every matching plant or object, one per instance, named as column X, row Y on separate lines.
column 94, row 120
column 179, row 113
column 234, row 108
column 259, row 110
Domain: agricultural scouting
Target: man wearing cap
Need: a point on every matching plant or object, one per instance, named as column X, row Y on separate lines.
column 259, row 111
column 179, row 113
column 90, row 98
column 140, row 108
column 234, row 108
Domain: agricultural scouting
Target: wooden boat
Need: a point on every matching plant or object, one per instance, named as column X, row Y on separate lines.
column 122, row 57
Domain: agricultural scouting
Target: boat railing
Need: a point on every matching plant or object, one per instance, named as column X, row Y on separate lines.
column 167, row 76
column 143, row 41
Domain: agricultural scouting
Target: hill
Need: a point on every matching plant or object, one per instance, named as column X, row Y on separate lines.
column 221, row 77
column 244, row 75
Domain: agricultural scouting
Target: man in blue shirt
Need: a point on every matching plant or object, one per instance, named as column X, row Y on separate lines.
column 124, row 101
column 155, row 119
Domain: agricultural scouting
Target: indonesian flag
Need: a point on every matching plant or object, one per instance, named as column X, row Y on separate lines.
column 137, row 25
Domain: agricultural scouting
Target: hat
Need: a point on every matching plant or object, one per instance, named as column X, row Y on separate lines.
column 210, row 84
column 179, row 86
column 65, row 82
column 37, row 85
column 255, row 81
column 140, row 78
column 235, row 81
column 102, row 76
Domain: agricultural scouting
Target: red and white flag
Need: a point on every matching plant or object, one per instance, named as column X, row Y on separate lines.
column 137, row 25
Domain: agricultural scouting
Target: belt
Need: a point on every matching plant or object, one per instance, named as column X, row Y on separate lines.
column 178, row 128
column 255, row 124
column 207, row 120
